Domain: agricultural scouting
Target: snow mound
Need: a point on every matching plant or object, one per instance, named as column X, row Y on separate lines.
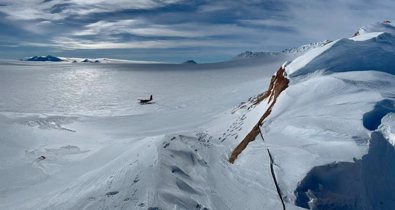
column 89, row 61
column 375, row 52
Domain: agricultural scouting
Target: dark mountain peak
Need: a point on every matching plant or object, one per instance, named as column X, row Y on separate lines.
column 190, row 62
column 44, row 58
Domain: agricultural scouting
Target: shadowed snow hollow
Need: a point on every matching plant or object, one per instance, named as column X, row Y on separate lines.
column 364, row 184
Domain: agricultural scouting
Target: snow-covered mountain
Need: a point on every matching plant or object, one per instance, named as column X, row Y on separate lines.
column 43, row 58
column 314, row 132
column 384, row 26
column 296, row 51
column 306, row 47
column 50, row 58
column 250, row 54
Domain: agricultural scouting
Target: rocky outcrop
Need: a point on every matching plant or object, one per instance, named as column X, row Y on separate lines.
column 278, row 83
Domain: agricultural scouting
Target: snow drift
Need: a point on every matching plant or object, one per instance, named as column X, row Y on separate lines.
column 366, row 183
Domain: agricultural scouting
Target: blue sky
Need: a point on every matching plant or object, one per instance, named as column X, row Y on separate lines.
column 176, row 30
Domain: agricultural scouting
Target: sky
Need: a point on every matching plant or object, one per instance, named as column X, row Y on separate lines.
column 177, row 30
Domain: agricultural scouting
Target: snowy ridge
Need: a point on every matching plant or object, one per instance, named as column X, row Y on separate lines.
column 304, row 48
column 250, row 54
column 385, row 26
column 293, row 51
column 370, row 51
column 346, row 59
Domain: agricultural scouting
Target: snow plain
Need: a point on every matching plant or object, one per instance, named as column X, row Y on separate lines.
column 74, row 137
column 96, row 139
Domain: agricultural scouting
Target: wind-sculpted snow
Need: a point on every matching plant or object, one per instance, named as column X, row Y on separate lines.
column 367, row 183
column 372, row 119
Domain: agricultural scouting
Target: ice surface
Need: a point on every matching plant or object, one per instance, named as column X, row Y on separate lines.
column 75, row 137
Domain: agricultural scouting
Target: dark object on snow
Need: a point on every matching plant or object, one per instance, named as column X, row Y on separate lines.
column 145, row 101
column 42, row 157
column 112, row 193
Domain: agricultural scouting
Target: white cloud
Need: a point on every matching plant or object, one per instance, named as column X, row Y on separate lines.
column 107, row 27
column 71, row 44
column 247, row 24
column 37, row 9
column 143, row 28
column 318, row 20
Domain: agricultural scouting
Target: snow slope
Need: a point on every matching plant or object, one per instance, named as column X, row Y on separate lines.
column 385, row 26
column 352, row 83
column 104, row 150
column 330, row 133
column 296, row 51
column 370, row 51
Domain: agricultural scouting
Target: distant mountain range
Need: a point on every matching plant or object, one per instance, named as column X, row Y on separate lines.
column 43, row 58
column 50, row 58
column 296, row 50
